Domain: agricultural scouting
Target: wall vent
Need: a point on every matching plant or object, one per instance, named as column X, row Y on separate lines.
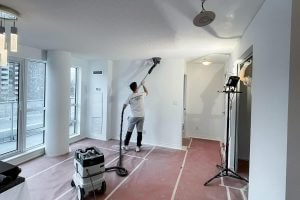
column 98, row 72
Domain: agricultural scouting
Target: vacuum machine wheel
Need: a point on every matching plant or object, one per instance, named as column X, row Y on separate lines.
column 103, row 188
column 72, row 183
column 80, row 193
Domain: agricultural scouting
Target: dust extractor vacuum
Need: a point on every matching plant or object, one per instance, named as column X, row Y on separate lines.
column 89, row 163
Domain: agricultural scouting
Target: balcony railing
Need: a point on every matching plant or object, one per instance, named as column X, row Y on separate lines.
column 9, row 119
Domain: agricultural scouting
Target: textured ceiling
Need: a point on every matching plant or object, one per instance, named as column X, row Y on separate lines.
column 126, row 29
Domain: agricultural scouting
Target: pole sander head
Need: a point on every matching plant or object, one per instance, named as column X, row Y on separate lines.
column 156, row 61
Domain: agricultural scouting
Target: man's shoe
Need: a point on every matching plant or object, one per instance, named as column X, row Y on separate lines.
column 138, row 149
column 126, row 148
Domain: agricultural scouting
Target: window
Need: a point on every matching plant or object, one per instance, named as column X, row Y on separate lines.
column 22, row 88
column 74, row 108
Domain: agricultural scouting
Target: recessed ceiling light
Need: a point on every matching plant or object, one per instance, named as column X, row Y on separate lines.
column 206, row 63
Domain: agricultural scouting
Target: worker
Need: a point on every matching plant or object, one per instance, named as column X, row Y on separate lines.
column 247, row 80
column 136, row 102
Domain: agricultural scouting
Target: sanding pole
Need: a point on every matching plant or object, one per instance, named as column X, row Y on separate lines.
column 156, row 61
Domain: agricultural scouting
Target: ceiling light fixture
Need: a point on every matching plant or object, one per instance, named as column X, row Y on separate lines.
column 206, row 63
column 8, row 15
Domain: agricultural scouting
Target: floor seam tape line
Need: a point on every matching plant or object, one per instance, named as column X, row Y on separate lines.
column 180, row 172
column 55, row 165
column 123, row 181
column 118, row 151
column 226, row 188
column 243, row 194
column 190, row 143
column 235, row 188
column 38, row 173
column 228, row 193
column 69, row 190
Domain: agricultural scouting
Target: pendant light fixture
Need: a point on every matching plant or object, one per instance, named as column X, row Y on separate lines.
column 2, row 36
column 3, row 50
column 3, row 57
column 14, row 38
column 8, row 17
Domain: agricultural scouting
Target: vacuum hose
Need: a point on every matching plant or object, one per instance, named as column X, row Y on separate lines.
column 121, row 171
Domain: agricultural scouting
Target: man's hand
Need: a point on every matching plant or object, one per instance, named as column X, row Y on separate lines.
column 246, row 64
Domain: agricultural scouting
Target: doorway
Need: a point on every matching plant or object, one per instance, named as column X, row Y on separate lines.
column 243, row 132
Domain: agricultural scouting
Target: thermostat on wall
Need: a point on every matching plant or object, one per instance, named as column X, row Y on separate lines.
column 98, row 72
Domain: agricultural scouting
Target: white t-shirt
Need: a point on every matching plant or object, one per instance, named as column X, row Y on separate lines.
column 136, row 102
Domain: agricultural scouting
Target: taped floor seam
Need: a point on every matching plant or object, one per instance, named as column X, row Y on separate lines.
column 123, row 181
column 55, row 165
column 180, row 172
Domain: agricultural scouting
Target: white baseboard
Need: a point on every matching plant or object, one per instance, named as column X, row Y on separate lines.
column 34, row 153
column 204, row 138
column 157, row 145
column 26, row 156
column 76, row 138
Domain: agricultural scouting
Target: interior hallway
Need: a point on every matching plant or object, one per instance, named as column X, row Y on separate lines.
column 155, row 173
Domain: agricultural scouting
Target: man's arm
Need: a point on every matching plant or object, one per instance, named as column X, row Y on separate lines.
column 243, row 71
column 125, row 103
column 144, row 87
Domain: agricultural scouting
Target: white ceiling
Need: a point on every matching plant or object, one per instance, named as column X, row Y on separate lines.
column 118, row 29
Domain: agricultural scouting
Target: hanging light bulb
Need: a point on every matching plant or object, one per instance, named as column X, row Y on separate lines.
column 3, row 50
column 3, row 57
column 14, row 38
column 2, row 37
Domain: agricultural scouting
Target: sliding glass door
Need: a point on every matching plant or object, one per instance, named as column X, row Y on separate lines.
column 22, row 106
column 35, row 103
column 9, row 104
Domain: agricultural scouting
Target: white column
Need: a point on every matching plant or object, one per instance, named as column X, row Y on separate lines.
column 57, row 103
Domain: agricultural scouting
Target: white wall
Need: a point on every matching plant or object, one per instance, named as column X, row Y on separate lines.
column 29, row 53
column 269, row 33
column 163, row 105
column 205, row 106
column 293, row 161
